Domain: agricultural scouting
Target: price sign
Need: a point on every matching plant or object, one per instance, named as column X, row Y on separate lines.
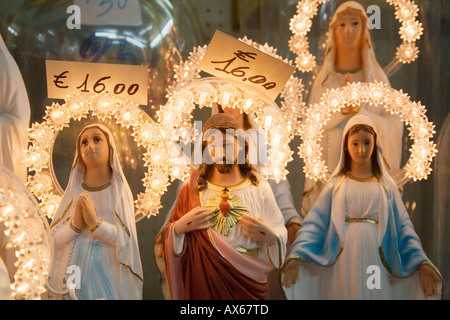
column 229, row 58
column 110, row 12
column 66, row 77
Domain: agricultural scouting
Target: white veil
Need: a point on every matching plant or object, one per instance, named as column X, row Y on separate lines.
column 14, row 114
column 362, row 119
column 126, row 244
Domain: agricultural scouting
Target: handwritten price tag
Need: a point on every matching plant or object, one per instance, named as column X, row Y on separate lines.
column 110, row 12
column 229, row 58
column 66, row 77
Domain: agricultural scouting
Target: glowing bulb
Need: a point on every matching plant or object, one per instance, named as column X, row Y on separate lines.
column 202, row 99
column 317, row 116
column 226, row 98
column 7, row 211
column 268, row 122
column 145, row 134
column 276, row 139
column 247, row 105
column 57, row 114
column 423, row 152
column 334, row 101
column 376, row 94
column 156, row 183
column 181, row 104
column 176, row 172
column 156, row 158
column 168, row 118
column 316, row 170
column 304, row 61
column 300, row 26
column 405, row 12
column 306, row 8
column 410, row 31
column 127, row 116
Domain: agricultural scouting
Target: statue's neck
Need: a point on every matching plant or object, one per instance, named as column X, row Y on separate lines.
column 97, row 176
column 361, row 170
column 226, row 179
column 348, row 59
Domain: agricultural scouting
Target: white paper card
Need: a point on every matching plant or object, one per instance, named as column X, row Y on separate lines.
column 67, row 77
column 232, row 59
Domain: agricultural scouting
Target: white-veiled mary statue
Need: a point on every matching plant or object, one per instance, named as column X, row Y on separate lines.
column 350, row 57
column 94, row 230
column 358, row 241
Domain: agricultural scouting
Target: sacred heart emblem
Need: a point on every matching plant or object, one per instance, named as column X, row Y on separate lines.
column 224, row 205
column 227, row 209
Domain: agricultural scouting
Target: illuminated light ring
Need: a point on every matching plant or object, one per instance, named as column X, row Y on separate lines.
column 28, row 233
column 146, row 132
column 175, row 116
column 291, row 97
column 204, row 92
column 300, row 24
column 422, row 151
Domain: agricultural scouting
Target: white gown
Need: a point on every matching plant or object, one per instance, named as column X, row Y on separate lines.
column 5, row 290
column 360, row 252
column 14, row 115
column 95, row 253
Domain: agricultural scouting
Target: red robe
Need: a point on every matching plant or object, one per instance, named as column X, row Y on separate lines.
column 203, row 272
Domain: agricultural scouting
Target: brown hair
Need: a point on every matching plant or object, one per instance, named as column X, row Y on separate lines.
column 376, row 170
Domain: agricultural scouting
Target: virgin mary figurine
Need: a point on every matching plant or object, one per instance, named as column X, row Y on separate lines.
column 94, row 230
column 350, row 57
column 358, row 241
column 14, row 114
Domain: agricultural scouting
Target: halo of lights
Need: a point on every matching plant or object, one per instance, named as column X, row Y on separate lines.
column 28, row 232
column 422, row 151
column 189, row 90
column 300, row 24
column 146, row 132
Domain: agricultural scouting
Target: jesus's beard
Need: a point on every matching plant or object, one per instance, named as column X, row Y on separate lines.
column 224, row 168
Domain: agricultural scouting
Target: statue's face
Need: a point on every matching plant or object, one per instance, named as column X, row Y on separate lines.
column 94, row 148
column 348, row 30
column 360, row 147
column 223, row 150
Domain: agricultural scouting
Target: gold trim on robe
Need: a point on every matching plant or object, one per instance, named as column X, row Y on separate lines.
column 62, row 216
column 95, row 189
